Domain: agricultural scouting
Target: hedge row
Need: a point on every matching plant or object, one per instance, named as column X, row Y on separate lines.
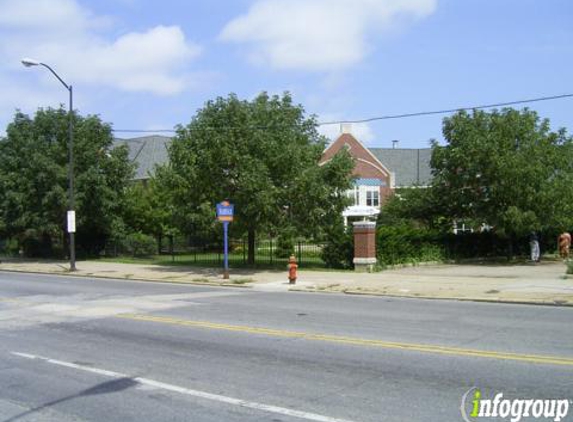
column 405, row 244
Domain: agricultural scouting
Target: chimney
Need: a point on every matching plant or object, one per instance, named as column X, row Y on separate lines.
column 346, row 128
column 394, row 143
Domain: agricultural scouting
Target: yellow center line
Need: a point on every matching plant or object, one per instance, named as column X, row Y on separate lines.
column 424, row 348
column 10, row 300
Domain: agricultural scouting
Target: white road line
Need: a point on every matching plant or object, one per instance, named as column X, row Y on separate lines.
column 195, row 393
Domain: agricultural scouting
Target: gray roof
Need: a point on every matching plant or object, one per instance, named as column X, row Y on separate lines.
column 146, row 152
column 410, row 166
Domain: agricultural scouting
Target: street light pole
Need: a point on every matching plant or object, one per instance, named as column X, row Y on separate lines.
column 71, row 213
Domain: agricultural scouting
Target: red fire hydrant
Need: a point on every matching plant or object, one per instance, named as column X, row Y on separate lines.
column 292, row 267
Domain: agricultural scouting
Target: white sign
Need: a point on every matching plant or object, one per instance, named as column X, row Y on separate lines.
column 71, row 221
column 360, row 211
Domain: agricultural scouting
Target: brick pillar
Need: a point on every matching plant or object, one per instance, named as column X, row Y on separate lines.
column 364, row 245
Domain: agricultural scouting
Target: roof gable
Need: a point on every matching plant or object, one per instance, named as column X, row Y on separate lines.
column 356, row 149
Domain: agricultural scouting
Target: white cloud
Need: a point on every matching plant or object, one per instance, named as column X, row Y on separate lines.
column 67, row 36
column 58, row 15
column 317, row 35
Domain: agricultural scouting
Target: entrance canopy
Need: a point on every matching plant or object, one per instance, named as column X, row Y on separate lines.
column 360, row 211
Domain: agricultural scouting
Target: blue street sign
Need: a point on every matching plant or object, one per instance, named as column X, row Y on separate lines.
column 225, row 211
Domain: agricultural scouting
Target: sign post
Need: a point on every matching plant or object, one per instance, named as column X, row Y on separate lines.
column 225, row 213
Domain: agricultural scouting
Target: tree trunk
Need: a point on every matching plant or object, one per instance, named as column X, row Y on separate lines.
column 251, row 247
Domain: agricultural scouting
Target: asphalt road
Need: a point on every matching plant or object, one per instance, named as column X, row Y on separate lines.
column 75, row 349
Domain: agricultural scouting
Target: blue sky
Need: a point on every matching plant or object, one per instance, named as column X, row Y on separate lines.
column 150, row 65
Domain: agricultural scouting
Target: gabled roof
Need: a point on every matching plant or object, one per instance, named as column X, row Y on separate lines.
column 347, row 138
column 410, row 166
column 146, row 152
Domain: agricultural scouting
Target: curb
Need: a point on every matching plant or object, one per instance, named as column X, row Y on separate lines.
column 299, row 289
column 451, row 298
column 462, row 299
column 151, row 280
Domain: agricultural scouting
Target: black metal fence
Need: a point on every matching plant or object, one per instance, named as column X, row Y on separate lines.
column 267, row 253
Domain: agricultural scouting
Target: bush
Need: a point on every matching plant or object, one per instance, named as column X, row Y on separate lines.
column 403, row 244
column 285, row 246
column 338, row 252
column 139, row 244
column 37, row 245
column 493, row 245
column 569, row 266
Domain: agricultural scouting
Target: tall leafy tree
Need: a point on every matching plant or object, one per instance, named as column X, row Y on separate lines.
column 34, row 178
column 263, row 156
column 147, row 210
column 504, row 168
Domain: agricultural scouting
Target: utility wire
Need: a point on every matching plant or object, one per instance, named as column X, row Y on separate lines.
column 452, row 110
column 400, row 116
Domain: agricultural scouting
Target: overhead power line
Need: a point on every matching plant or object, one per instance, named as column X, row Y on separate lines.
column 398, row 116
column 447, row 111
column 143, row 130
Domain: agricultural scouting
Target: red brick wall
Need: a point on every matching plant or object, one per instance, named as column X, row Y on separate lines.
column 366, row 166
column 364, row 242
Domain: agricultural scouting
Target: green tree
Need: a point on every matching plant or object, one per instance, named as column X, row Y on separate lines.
column 506, row 169
column 148, row 210
column 34, row 179
column 263, row 156
column 416, row 205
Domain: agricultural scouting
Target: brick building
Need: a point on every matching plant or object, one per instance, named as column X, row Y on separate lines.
column 379, row 171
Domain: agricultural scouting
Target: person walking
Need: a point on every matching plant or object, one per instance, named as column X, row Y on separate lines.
column 564, row 243
column 534, row 246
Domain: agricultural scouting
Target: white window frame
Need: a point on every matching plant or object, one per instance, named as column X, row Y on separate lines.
column 373, row 197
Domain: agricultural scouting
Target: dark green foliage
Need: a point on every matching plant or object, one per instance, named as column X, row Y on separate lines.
column 492, row 245
column 139, row 244
column 285, row 245
column 338, row 250
column 148, row 210
column 504, row 168
column 261, row 155
column 34, row 181
column 402, row 244
column 418, row 206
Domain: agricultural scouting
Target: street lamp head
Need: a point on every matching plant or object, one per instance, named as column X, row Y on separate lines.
column 30, row 62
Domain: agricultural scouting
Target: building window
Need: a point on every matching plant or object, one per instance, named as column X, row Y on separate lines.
column 372, row 198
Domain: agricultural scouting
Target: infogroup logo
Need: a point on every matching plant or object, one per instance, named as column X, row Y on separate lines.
column 475, row 407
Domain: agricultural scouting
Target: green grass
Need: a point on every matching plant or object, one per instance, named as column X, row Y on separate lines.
column 242, row 280
column 210, row 260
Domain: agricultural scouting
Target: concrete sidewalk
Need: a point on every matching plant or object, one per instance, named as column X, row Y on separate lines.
column 543, row 283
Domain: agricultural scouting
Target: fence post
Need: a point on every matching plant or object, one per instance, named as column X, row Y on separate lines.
column 271, row 246
column 171, row 248
column 299, row 252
